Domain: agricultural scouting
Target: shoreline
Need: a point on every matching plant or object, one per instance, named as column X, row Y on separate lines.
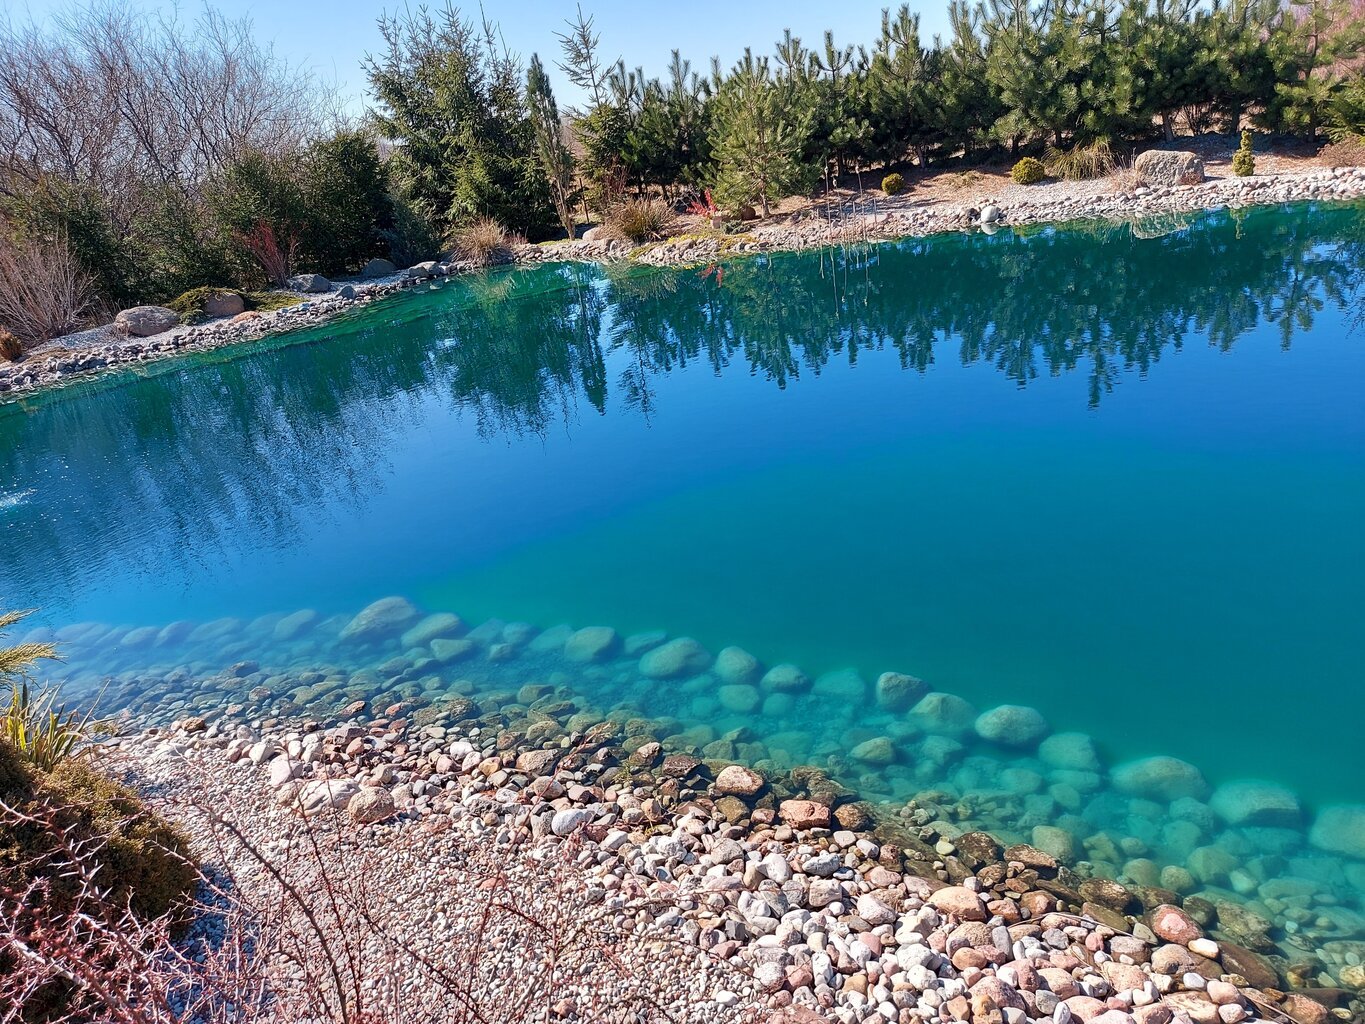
column 889, row 220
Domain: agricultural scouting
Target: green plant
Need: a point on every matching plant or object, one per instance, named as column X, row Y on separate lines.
column 41, row 729
column 482, row 242
column 1081, row 163
column 893, row 184
column 638, row 220
column 1243, row 162
column 1028, row 171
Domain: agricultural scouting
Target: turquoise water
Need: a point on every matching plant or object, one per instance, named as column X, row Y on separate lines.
column 1117, row 478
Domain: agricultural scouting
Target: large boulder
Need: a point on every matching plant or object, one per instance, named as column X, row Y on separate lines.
column 680, row 657
column 145, row 321
column 1340, row 829
column 221, row 304
column 943, row 714
column 309, row 284
column 1160, row 778
column 378, row 268
column 1256, row 803
column 1012, row 725
column 591, row 643
column 897, row 691
column 1070, row 751
column 1169, row 167
column 736, row 666
column 386, row 618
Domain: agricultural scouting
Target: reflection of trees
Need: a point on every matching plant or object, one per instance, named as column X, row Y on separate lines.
column 228, row 451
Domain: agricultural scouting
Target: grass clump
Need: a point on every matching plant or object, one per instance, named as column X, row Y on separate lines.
column 1081, row 163
column 638, row 221
column 483, row 242
column 1028, row 171
column 10, row 348
column 893, row 184
column 1243, row 161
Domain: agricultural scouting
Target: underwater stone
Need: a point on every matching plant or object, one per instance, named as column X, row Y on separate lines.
column 638, row 643
column 878, row 750
column 736, row 666
column 296, row 625
column 1057, row 842
column 1160, row 778
column 785, row 679
column 447, row 651
column 1012, row 725
column 385, row 618
column 843, row 684
column 897, row 691
column 1340, row 829
column 552, row 639
column 591, row 643
column 1074, row 751
column 680, row 657
column 433, row 627
column 739, row 699
column 943, row 713
column 1256, row 803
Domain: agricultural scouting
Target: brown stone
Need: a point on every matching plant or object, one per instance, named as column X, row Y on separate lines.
column 1085, row 1007
column 1305, row 1010
column 1059, row 982
column 804, row 814
column 1031, row 857
column 854, row 817
column 1177, row 960
column 1106, row 893
column 992, row 989
column 1174, row 925
column 1195, row 1005
column 960, row 902
column 1154, row 1013
column 1123, row 977
column 736, row 780
column 1258, row 971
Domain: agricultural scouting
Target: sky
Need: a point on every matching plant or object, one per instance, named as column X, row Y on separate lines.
column 332, row 38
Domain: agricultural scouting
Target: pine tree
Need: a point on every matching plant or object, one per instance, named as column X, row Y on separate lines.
column 1315, row 44
column 555, row 159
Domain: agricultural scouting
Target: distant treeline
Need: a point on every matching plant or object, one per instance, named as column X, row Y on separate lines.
column 141, row 158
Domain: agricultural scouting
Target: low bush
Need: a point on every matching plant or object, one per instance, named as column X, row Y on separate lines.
column 482, row 242
column 10, row 349
column 1028, row 171
column 638, row 220
column 43, row 293
column 893, row 184
column 1080, row 163
column 1243, row 162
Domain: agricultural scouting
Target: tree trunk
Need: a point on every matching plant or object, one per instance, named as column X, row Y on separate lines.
column 1166, row 126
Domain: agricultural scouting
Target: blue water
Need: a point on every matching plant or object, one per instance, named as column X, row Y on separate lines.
column 1119, row 479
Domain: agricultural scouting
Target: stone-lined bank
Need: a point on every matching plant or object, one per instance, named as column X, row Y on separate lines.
column 1149, row 209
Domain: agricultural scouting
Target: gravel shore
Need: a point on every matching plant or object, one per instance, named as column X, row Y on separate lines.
column 873, row 218
column 718, row 904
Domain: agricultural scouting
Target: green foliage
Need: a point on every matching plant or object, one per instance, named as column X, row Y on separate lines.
column 555, row 160
column 1346, row 114
column 761, row 130
column 893, row 184
column 16, row 663
column 1081, row 163
column 1243, row 162
column 39, row 728
column 413, row 235
column 1314, row 44
column 345, row 204
column 1028, row 171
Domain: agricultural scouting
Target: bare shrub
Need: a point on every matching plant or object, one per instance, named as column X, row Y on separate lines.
column 43, row 293
column 638, row 220
column 264, row 246
column 483, row 242
column 1349, row 152
column 963, row 179
column 1124, row 178
column 1081, row 163
column 10, row 349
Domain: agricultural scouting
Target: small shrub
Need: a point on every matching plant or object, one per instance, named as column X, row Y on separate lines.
column 638, row 220
column 893, row 184
column 1243, row 162
column 275, row 255
column 964, row 179
column 267, row 302
column 1028, row 171
column 1124, row 178
column 1081, row 163
column 10, row 349
column 482, row 242
column 43, row 292
column 1348, row 152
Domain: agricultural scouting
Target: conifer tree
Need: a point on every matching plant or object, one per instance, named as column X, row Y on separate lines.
column 555, row 159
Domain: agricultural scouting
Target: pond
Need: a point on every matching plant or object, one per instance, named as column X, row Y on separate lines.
column 1115, row 473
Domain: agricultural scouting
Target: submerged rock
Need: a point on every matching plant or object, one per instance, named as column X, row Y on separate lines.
column 736, row 666
column 1160, row 778
column 943, row 713
column 592, row 643
column 680, row 657
column 878, row 750
column 1256, row 803
column 296, row 625
column 442, row 624
column 1012, row 725
column 897, row 691
column 785, row 678
column 1340, row 829
column 739, row 699
column 737, row 780
column 843, row 684
column 1070, row 751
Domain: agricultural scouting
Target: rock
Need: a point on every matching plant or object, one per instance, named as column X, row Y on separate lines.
column 943, row 713
column 449, row 651
column 1258, row 971
column 1340, row 829
column 736, row 780
column 1169, row 167
column 785, row 679
column 1057, row 842
column 1012, row 725
column 960, row 902
column 1256, row 803
column 297, row 624
column 1305, row 1010
column 804, row 814
column 321, row 794
column 736, row 667
column 282, row 769
column 347, row 292
column 878, row 750
column 371, row 805
column 421, row 271
column 537, row 762
column 680, row 657
column 874, row 911
column 1174, row 925
column 1196, row 1006
column 841, row 685
column 990, row 214
column 823, row 892
column 1070, row 751
column 194, row 724
column 146, row 321
column 1160, row 778
column 592, row 644
column 378, row 268
column 309, row 284
column 433, row 627
column 568, row 821
column 739, row 699
column 221, row 304
column 384, row 618
column 897, row 691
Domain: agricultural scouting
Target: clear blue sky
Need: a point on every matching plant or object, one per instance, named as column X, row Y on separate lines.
column 332, row 37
